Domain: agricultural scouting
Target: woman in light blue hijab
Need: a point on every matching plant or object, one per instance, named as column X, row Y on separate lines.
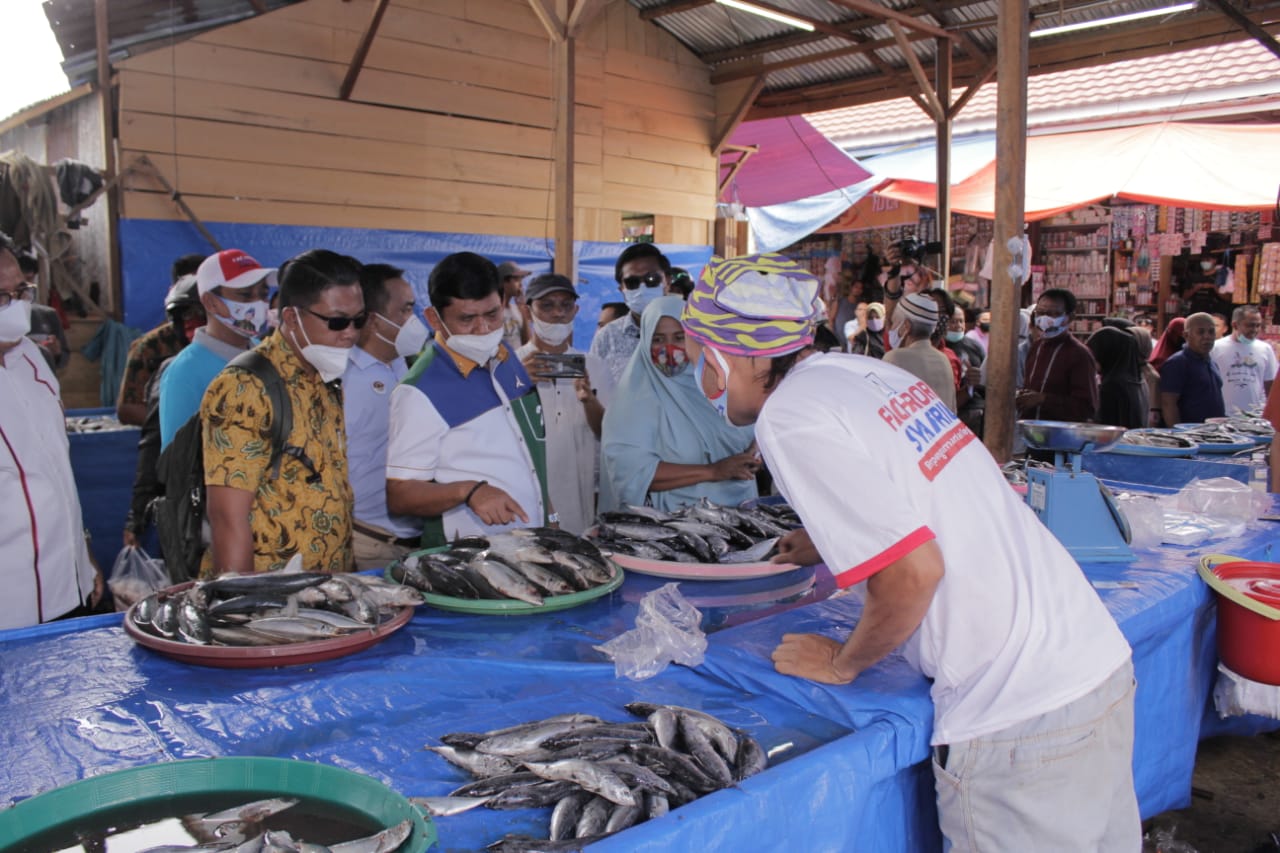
column 663, row 444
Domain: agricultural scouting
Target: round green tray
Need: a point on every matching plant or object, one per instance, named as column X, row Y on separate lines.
column 97, row 800
column 511, row 607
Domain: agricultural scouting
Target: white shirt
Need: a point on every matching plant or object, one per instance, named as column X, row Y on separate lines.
column 1244, row 369
column 1014, row 629
column 42, row 543
column 421, row 446
column 573, row 451
column 366, row 406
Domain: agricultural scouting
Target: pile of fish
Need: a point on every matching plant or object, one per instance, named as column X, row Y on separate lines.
column 700, row 533
column 1239, row 429
column 600, row 777
column 241, row 830
column 526, row 565
column 94, row 423
column 1158, row 438
column 271, row 608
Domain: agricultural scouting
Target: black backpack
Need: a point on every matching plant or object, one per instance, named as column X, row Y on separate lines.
column 180, row 510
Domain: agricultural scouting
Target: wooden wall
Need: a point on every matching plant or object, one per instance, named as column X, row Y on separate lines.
column 449, row 128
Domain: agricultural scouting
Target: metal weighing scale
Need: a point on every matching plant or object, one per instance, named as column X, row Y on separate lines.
column 1071, row 502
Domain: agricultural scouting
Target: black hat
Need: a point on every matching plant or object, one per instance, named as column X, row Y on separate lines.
column 548, row 283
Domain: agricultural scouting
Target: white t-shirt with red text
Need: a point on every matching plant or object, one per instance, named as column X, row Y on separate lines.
column 876, row 466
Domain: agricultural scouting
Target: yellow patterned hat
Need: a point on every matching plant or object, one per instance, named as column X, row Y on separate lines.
column 756, row 305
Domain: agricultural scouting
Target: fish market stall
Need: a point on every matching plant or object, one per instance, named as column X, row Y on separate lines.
column 847, row 765
column 104, row 458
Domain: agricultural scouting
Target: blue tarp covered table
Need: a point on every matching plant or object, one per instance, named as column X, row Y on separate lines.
column 104, row 464
column 848, row 767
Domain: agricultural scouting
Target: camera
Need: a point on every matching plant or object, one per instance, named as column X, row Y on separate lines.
column 913, row 251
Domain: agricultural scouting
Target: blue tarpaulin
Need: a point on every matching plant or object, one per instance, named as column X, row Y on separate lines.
column 149, row 246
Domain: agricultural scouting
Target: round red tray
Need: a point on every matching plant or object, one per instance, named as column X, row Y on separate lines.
column 252, row 657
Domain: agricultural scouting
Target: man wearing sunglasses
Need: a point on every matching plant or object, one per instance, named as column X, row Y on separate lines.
column 643, row 274
column 264, row 507
column 233, row 293
column 467, row 448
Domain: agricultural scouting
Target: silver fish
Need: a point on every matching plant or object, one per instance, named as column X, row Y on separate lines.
column 505, row 580
column 446, row 806
column 564, row 817
column 590, row 777
column 595, row 814
column 294, row 628
column 699, row 746
column 385, row 841
column 524, row 739
column 642, row 532
column 754, row 554
column 623, row 816
column 477, row 763
column 649, row 513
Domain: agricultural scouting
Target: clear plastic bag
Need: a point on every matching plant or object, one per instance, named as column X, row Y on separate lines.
column 1145, row 517
column 134, row 576
column 668, row 630
column 1222, row 498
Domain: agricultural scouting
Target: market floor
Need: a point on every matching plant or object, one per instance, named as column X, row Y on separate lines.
column 1235, row 805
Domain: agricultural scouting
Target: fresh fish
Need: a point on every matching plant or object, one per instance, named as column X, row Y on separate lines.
column 591, row 777
column 564, row 817
column 699, row 746
column 337, row 620
column 277, row 583
column 637, row 776
column 678, row 768
column 538, row 795
column 476, row 763
column 293, row 628
column 623, row 816
column 504, row 581
column 145, row 610
column 528, row 844
column 496, row 784
column 599, row 732
column 523, row 739
column 666, row 727
column 655, row 805
column 446, row 806
column 541, row 576
column 247, row 604
column 751, row 757
column 166, row 619
column 254, row 812
column 642, row 532
column 649, row 512
column 385, row 841
column 755, row 554
column 519, row 549
column 193, row 623
column 595, row 814
column 696, row 545
column 385, row 594
column 241, row 636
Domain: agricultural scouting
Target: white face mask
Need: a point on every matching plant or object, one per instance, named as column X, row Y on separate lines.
column 411, row 337
column 478, row 348
column 553, row 334
column 875, row 324
column 15, row 320
column 1051, row 326
column 329, row 361
column 637, row 300
column 247, row 318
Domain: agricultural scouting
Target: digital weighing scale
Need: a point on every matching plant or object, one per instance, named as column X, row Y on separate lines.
column 1076, row 508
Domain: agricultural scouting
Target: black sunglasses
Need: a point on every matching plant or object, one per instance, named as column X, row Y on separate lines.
column 338, row 324
column 632, row 282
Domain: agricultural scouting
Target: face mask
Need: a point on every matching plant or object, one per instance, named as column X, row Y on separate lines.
column 478, row 348
column 410, row 338
column 984, row 327
column 1051, row 326
column 553, row 334
column 1245, row 339
column 247, row 318
column 637, row 300
column 720, row 402
column 15, row 320
column 330, row 362
column 273, row 318
column 955, row 337
column 670, row 359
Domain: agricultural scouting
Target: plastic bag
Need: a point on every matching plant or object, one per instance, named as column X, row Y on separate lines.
column 1145, row 518
column 667, row 631
column 1222, row 498
column 134, row 576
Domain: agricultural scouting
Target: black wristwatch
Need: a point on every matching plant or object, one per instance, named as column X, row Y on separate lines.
column 893, row 294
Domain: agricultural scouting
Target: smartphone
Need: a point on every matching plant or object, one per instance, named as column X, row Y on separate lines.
column 565, row 365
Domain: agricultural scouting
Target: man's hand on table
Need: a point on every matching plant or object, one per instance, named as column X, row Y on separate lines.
column 796, row 547
column 811, row 656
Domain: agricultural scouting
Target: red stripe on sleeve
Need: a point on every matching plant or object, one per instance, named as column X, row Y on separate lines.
column 893, row 553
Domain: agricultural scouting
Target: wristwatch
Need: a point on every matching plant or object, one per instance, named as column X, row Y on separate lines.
column 893, row 294
column 553, row 518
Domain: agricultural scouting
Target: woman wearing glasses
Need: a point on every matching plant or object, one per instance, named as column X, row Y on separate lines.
column 263, row 511
column 663, row 444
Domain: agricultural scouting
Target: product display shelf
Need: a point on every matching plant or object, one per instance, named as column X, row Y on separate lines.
column 1076, row 255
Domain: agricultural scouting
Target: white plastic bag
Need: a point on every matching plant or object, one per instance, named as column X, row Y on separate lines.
column 134, row 576
column 1145, row 518
column 1222, row 498
column 667, row 631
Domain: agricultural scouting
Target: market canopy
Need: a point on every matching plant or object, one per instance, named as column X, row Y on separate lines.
column 1225, row 167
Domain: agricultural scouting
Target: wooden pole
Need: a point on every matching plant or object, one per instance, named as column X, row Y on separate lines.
column 1011, row 176
column 362, row 51
column 106, row 108
column 943, row 153
column 564, row 53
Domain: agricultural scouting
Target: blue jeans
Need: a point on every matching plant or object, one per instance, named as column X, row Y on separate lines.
column 1062, row 781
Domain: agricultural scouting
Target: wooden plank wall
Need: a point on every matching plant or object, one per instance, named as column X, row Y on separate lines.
column 449, row 128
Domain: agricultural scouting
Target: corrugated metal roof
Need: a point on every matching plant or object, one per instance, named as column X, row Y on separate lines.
column 135, row 25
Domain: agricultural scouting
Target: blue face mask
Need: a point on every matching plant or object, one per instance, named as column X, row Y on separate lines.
column 721, row 402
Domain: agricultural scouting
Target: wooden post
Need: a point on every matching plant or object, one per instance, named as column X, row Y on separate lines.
column 1011, row 177
column 563, row 52
column 106, row 107
column 943, row 153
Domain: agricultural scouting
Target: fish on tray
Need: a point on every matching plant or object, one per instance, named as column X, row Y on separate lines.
column 271, row 608
column 528, row 565
column 598, row 777
column 700, row 533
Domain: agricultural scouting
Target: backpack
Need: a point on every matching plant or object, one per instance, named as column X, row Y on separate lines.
column 180, row 511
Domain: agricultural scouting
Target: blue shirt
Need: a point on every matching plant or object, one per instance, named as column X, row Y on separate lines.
column 366, row 393
column 1196, row 381
column 183, row 383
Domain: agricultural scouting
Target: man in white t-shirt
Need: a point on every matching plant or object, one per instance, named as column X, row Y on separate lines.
column 1032, row 679
column 1246, row 364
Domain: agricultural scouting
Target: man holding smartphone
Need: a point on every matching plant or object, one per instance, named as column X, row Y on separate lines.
column 570, row 410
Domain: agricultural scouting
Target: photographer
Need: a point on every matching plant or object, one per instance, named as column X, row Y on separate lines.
column 570, row 410
column 906, row 273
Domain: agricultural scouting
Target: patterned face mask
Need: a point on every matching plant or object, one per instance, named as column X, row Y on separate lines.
column 671, row 359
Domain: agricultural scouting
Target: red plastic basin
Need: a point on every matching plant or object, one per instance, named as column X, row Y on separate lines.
column 1249, row 638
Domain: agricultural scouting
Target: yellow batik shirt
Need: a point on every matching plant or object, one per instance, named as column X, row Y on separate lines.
column 289, row 515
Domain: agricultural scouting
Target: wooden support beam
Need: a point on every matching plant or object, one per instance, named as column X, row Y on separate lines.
column 744, row 70
column 106, row 105
column 1260, row 35
column 1011, row 179
column 942, row 150
column 672, row 8
column 362, row 50
column 730, row 122
column 143, row 164
column 966, row 42
column 935, row 110
column 875, row 10
column 584, row 11
column 551, row 22
column 564, row 71
column 983, row 79
column 746, row 151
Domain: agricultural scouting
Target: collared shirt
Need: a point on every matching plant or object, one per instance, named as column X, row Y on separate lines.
column 290, row 514
column 146, row 354
column 573, row 451
column 366, row 392
column 1064, row 371
column 1245, row 369
column 44, row 561
column 613, row 345
column 183, row 381
column 454, row 420
column 932, row 365
column 1195, row 380
column 512, row 325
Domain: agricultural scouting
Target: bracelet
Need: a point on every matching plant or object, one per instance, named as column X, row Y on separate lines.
column 467, row 500
column 892, row 294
